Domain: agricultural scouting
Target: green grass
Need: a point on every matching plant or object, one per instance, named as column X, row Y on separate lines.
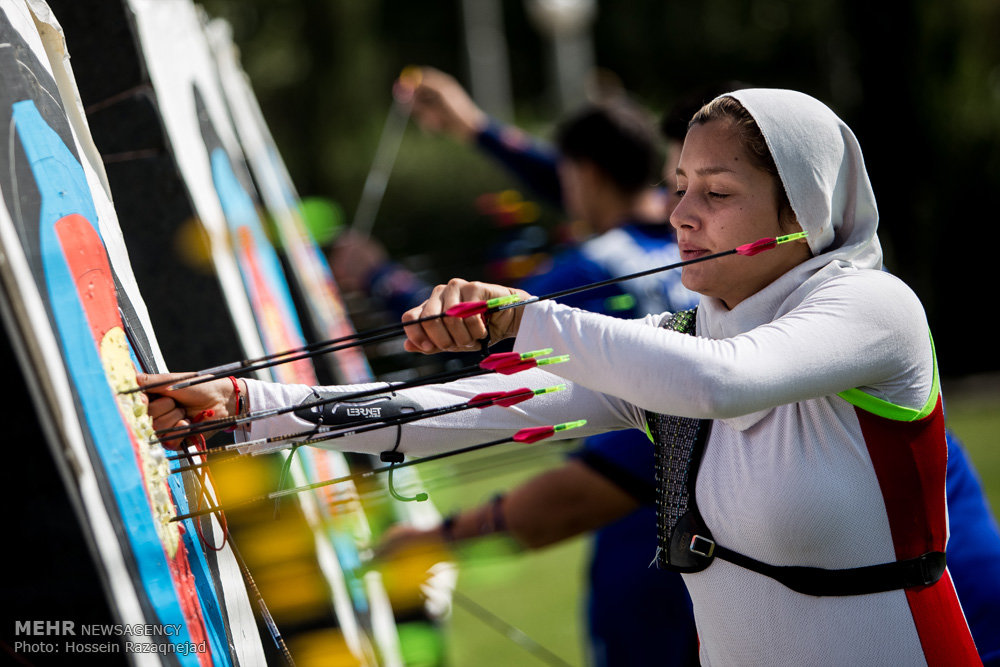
column 542, row 593
column 974, row 416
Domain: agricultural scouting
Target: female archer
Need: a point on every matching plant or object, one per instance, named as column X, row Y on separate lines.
column 796, row 414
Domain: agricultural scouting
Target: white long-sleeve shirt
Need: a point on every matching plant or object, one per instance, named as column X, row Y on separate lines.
column 837, row 339
column 788, row 475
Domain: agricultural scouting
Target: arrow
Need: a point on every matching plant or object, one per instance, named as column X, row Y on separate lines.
column 323, row 347
column 528, row 435
column 459, row 310
column 747, row 250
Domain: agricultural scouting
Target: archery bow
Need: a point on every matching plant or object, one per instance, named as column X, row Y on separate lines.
column 386, row 151
column 505, row 363
column 276, row 443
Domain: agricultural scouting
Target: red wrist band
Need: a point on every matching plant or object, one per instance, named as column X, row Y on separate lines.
column 239, row 401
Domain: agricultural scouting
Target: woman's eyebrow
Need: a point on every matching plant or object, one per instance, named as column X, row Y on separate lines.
column 707, row 171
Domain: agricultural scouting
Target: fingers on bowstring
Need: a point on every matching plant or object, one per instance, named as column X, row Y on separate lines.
column 434, row 335
column 465, row 333
column 416, row 335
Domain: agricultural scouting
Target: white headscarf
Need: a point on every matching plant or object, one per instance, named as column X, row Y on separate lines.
column 821, row 166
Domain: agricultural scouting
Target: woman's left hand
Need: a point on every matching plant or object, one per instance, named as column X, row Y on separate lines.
column 169, row 408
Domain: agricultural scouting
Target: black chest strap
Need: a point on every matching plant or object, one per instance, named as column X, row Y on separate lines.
column 920, row 571
column 687, row 545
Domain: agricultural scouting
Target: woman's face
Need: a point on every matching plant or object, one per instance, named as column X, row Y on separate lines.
column 726, row 201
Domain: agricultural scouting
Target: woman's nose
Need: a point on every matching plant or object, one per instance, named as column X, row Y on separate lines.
column 683, row 214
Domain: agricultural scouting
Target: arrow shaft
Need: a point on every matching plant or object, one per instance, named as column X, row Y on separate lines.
column 373, row 335
column 395, row 466
column 614, row 281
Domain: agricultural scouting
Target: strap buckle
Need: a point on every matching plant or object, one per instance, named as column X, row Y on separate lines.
column 702, row 546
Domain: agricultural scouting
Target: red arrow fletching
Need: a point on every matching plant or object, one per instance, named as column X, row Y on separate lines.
column 515, row 396
column 534, row 434
column 498, row 359
column 759, row 246
column 486, row 399
column 502, row 398
column 516, row 367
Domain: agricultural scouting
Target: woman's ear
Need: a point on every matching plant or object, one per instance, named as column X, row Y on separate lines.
column 787, row 220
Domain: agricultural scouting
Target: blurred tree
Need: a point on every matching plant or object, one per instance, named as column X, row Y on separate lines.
column 929, row 117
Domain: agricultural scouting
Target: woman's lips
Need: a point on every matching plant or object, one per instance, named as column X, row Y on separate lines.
column 691, row 252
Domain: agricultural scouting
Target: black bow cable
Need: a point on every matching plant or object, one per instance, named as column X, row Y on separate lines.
column 480, row 401
column 287, row 356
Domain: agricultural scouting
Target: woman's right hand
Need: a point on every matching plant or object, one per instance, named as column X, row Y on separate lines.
column 452, row 334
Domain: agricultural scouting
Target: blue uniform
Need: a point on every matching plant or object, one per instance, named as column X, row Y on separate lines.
column 531, row 161
column 632, row 247
column 974, row 552
column 637, row 614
